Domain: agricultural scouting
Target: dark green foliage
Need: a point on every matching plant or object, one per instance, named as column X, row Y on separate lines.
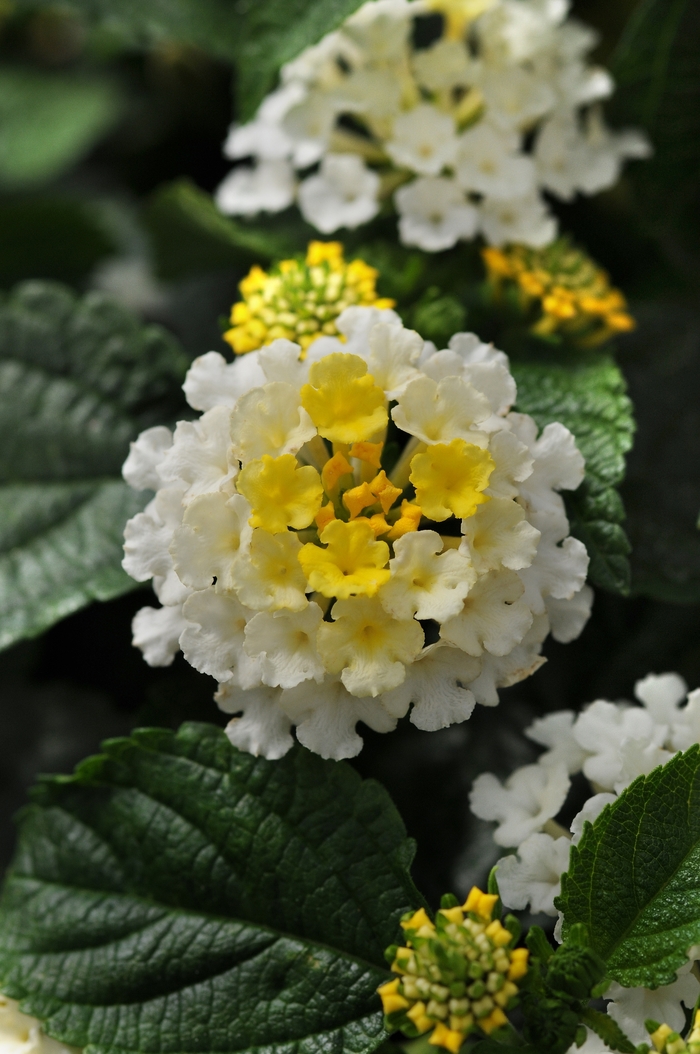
column 587, row 394
column 190, row 235
column 79, row 379
column 49, row 121
column 656, row 69
column 176, row 894
column 258, row 37
column 49, row 237
column 662, row 488
column 634, row 878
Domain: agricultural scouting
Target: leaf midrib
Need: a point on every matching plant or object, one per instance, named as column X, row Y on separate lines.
column 339, row 874
column 276, row 935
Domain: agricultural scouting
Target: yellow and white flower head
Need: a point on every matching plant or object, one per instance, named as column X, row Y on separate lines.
column 355, row 530
column 462, row 111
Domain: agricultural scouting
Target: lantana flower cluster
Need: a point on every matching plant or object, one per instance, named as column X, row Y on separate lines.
column 611, row 744
column 456, row 976
column 345, row 534
column 568, row 293
column 462, row 113
column 300, row 300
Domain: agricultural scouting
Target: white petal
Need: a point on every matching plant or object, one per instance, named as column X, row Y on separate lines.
column 263, row 729
column 156, row 632
column 141, row 468
column 212, row 381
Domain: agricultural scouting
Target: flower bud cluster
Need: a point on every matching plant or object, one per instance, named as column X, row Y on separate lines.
column 455, row 976
column 571, row 295
column 667, row 1041
column 299, row 299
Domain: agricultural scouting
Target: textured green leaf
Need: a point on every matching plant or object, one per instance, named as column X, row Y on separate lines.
column 190, row 235
column 49, row 121
column 176, row 894
column 78, row 380
column 275, row 32
column 634, row 878
column 588, row 395
column 656, row 68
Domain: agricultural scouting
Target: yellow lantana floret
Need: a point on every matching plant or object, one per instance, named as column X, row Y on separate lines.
column 352, row 563
column 450, row 479
column 281, row 493
column 342, row 399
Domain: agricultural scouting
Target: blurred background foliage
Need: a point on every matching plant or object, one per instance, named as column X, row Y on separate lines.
column 112, row 116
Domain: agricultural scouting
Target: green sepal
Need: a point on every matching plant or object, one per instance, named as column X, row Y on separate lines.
column 608, row 1030
column 538, row 945
column 449, row 900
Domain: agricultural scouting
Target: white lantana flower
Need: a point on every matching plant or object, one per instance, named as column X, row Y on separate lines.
column 299, row 572
column 530, row 797
column 631, row 1007
column 343, row 194
column 612, row 744
column 451, row 120
column 434, row 214
column 22, row 1034
column 269, row 187
column 531, row 878
column 424, row 140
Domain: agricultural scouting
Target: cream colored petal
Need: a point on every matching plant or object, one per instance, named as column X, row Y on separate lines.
column 269, row 420
column 285, row 642
column 423, row 584
column 207, row 545
column 498, row 535
column 494, row 616
column 270, row 577
column 440, row 412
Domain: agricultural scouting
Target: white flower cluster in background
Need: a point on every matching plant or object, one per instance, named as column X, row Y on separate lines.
column 611, row 744
column 296, row 571
column 21, row 1034
column 465, row 133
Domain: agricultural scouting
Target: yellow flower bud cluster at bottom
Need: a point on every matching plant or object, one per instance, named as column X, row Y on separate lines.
column 666, row 1041
column 456, row 975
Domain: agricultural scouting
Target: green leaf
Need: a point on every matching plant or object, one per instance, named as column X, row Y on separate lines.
column 608, row 1030
column 50, row 237
column 78, row 380
column 276, row 31
column 49, row 121
column 190, row 235
column 656, row 71
column 258, row 36
column 660, row 491
column 177, row 894
column 634, row 878
column 587, row 394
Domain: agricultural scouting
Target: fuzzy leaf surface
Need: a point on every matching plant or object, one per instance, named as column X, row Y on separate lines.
column 79, row 379
column 176, row 894
column 588, row 395
column 634, row 878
